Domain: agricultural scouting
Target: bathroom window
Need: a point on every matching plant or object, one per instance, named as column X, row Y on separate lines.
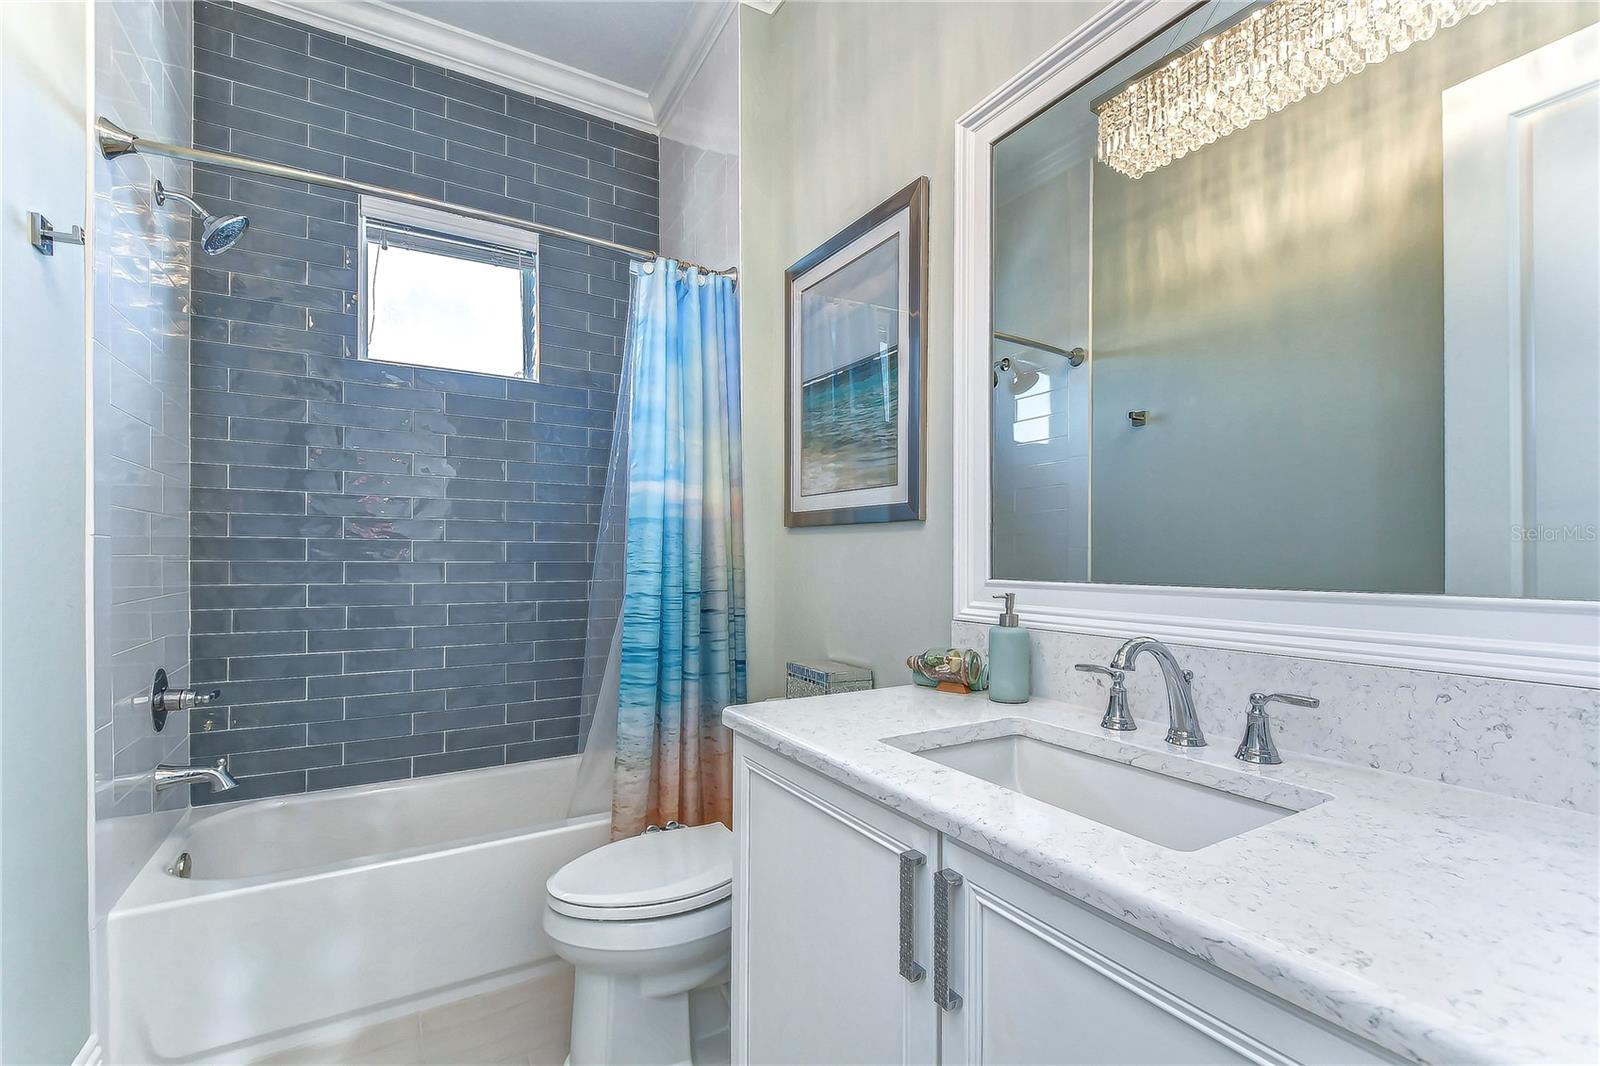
column 442, row 290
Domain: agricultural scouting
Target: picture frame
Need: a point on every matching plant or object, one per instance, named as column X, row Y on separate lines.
column 855, row 393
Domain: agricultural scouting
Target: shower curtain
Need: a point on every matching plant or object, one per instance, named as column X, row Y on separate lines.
column 680, row 656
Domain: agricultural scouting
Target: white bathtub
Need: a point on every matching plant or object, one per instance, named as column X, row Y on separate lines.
column 337, row 908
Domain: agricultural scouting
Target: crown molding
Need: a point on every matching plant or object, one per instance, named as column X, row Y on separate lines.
column 694, row 43
column 432, row 41
column 766, row 7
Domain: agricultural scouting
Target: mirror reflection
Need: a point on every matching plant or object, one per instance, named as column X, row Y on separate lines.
column 1344, row 342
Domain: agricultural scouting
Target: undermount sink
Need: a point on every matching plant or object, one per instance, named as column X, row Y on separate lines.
column 1169, row 811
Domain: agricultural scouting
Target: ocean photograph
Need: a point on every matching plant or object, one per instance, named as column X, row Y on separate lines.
column 849, row 379
column 849, row 428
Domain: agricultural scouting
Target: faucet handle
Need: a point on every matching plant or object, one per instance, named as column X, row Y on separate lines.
column 1116, row 716
column 1259, row 700
column 1258, row 746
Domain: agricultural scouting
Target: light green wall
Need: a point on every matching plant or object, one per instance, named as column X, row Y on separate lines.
column 1276, row 301
column 843, row 104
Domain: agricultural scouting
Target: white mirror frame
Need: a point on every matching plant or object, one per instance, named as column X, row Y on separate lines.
column 1553, row 641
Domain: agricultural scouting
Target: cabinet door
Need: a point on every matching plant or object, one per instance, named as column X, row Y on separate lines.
column 1044, row 979
column 817, row 924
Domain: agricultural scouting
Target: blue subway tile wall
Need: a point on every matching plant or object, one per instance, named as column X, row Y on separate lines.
column 390, row 564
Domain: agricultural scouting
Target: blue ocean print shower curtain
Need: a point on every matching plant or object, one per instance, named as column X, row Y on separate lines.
column 683, row 638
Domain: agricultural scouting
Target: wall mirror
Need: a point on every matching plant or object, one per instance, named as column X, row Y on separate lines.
column 1293, row 297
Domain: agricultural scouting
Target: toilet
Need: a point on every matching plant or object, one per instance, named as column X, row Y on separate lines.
column 646, row 922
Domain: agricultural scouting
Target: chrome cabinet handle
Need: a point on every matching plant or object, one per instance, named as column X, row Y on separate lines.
column 911, row 861
column 945, row 883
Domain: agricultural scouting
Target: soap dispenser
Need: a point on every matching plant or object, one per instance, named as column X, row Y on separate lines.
column 1010, row 657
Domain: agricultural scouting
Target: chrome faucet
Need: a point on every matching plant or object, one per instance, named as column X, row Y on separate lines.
column 1183, row 728
column 216, row 776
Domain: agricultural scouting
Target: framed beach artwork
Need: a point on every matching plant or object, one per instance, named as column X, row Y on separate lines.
column 855, row 401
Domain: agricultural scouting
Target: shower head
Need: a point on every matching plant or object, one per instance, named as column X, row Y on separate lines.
column 217, row 233
column 1023, row 375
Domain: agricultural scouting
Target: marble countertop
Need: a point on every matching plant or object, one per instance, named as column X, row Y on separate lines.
column 1441, row 923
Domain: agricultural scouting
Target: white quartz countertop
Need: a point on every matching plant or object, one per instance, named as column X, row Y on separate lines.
column 1441, row 923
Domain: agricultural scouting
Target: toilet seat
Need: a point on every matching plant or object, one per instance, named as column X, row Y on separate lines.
column 653, row 875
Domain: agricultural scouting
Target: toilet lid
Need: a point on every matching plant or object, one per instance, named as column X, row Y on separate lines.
column 648, row 876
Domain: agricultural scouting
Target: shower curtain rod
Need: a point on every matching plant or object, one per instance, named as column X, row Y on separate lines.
column 116, row 141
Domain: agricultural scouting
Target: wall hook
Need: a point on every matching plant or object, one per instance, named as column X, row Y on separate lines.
column 43, row 236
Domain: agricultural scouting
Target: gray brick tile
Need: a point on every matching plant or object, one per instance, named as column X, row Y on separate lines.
column 381, row 616
column 252, row 715
column 472, row 510
column 343, row 595
column 472, row 759
column 228, row 597
column 459, row 551
column 338, row 732
column 269, row 619
column 361, row 58
column 395, row 529
column 488, row 695
column 265, row 738
column 350, row 684
column 269, row 666
column 292, row 61
column 358, row 506
column 355, row 459
column 489, row 736
column 367, row 773
column 371, row 661
column 262, row 477
column 450, row 129
column 393, row 747
column 359, row 640
column 541, row 749
column 283, row 526
column 455, row 87
column 234, row 501
column 281, row 432
column 360, row 99
column 466, row 718
column 246, row 548
column 265, row 762
column 393, row 551
column 395, row 703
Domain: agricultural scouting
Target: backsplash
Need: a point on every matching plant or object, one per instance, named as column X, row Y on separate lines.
column 1529, row 741
column 390, row 563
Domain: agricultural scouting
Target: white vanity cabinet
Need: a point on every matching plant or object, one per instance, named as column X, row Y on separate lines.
column 1031, row 976
column 817, row 925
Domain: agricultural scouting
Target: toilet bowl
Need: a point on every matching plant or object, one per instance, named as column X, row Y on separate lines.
column 646, row 923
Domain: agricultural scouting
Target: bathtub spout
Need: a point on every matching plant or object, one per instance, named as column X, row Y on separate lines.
column 216, row 776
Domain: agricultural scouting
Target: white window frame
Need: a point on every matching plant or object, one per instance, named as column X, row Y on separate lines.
column 1553, row 641
column 449, row 224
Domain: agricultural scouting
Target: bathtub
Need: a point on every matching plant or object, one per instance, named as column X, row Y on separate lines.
column 306, row 915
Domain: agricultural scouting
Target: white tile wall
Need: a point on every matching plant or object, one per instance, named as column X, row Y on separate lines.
column 700, row 160
column 140, row 425
column 1529, row 741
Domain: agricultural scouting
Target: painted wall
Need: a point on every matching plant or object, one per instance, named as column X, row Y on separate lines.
column 44, row 465
column 700, row 160
column 1276, row 302
column 390, row 564
column 843, row 104
column 143, row 81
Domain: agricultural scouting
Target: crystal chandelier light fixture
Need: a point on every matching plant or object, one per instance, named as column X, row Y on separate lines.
column 1265, row 61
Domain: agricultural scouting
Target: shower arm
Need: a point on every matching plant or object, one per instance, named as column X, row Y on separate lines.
column 163, row 194
column 116, row 142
